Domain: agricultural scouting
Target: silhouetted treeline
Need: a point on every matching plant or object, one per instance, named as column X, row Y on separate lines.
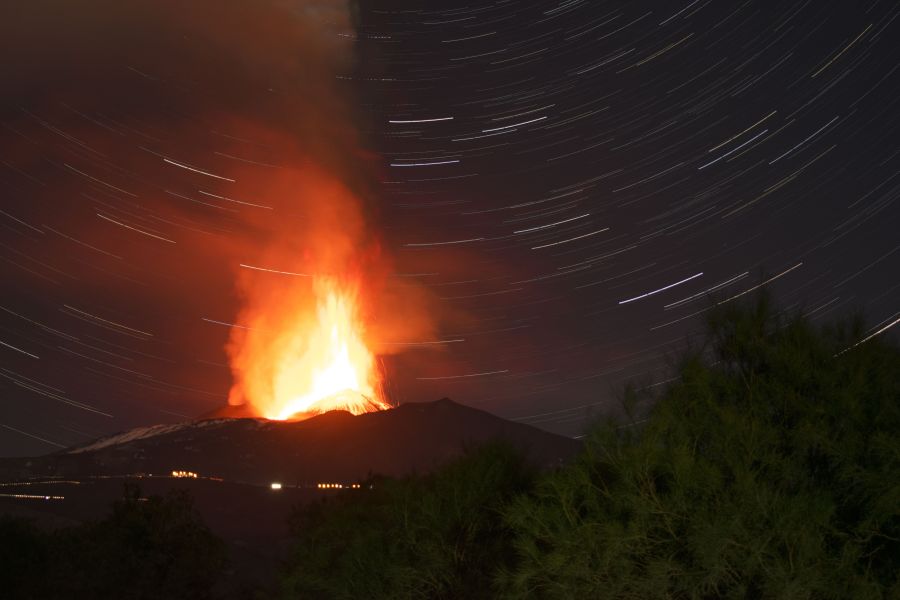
column 769, row 469
column 146, row 549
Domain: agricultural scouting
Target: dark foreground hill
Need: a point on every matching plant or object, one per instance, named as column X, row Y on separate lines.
column 333, row 447
column 237, row 459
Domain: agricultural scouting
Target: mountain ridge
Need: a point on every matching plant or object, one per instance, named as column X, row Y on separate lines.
column 334, row 446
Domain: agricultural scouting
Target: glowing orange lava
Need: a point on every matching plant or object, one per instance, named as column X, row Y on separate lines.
column 329, row 367
column 313, row 361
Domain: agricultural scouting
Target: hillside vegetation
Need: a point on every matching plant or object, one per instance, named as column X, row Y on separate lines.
column 770, row 468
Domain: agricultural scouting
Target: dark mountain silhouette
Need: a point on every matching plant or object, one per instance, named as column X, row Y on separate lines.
column 332, row 447
column 237, row 460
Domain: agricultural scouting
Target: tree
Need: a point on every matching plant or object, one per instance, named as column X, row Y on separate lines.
column 23, row 558
column 434, row 536
column 147, row 548
column 770, row 469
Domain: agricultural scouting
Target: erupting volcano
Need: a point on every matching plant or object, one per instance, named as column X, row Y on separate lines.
column 305, row 339
column 328, row 366
column 309, row 359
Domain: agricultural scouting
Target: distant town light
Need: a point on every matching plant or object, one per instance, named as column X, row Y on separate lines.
column 276, row 486
column 338, row 486
column 187, row 474
column 32, row 497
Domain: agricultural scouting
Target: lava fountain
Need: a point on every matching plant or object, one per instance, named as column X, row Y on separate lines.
column 327, row 366
column 304, row 358
column 313, row 283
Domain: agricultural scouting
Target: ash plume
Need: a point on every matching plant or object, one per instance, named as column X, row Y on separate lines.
column 203, row 159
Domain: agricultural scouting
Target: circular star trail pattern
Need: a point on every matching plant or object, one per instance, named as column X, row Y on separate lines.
column 572, row 180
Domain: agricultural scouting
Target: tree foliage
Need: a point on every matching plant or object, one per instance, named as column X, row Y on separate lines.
column 771, row 469
column 147, row 548
column 437, row 536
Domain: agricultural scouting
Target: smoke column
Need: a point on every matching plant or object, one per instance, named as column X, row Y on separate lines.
column 190, row 166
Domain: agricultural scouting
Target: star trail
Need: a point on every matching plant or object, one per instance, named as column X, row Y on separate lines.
column 567, row 182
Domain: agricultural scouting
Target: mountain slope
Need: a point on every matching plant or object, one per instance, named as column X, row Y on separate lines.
column 333, row 447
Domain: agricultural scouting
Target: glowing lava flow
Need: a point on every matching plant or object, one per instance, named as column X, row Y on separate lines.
column 316, row 363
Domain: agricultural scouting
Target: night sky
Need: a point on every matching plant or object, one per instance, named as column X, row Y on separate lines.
column 556, row 187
